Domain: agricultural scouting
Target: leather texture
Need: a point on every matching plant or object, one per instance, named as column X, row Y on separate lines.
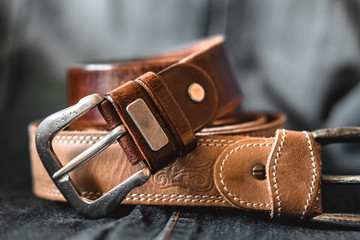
column 214, row 165
column 288, row 157
column 163, row 83
column 217, row 173
column 188, row 181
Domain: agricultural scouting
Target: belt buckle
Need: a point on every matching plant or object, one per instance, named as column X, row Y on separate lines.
column 338, row 135
column 56, row 122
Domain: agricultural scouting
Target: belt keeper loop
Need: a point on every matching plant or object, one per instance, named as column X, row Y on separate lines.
column 174, row 129
column 170, row 110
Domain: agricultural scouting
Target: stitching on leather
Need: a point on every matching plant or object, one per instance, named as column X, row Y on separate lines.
column 222, row 166
column 184, row 198
column 149, row 196
column 274, row 172
column 172, row 200
column 313, row 176
column 215, row 142
column 78, row 139
column 213, row 145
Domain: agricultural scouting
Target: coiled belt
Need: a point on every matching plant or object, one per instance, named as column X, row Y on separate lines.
column 179, row 121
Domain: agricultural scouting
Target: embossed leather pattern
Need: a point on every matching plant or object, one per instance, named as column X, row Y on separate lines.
column 187, row 181
column 166, row 95
column 214, row 165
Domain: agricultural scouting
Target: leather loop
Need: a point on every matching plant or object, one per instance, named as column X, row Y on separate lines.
column 293, row 174
column 216, row 166
column 233, row 174
column 86, row 79
column 292, row 183
column 167, row 94
column 178, row 79
column 171, row 111
column 217, row 173
column 188, row 181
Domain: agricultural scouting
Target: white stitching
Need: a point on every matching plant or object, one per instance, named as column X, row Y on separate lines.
column 149, row 196
column 216, row 140
column 78, row 139
column 175, row 195
column 213, row 145
column 274, row 172
column 313, row 177
column 172, row 199
column 222, row 166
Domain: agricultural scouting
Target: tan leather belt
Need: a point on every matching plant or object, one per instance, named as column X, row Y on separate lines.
column 241, row 160
column 187, row 181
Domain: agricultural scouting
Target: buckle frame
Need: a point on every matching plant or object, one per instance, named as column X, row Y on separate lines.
column 338, row 135
column 45, row 133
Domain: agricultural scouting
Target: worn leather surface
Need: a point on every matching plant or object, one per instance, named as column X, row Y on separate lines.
column 187, row 181
column 294, row 171
column 218, row 173
column 166, row 95
column 292, row 174
column 43, row 57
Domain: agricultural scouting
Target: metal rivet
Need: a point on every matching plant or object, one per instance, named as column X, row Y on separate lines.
column 196, row 92
column 258, row 171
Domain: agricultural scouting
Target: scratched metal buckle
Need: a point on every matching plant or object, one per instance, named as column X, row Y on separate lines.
column 45, row 133
column 338, row 135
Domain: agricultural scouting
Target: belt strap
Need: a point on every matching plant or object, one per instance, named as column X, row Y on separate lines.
column 190, row 89
column 242, row 160
column 188, row 181
column 248, row 164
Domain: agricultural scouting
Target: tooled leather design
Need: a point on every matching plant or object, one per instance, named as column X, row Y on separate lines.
column 185, row 191
column 166, row 94
column 197, row 176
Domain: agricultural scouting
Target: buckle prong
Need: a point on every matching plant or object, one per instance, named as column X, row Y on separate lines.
column 91, row 152
column 45, row 133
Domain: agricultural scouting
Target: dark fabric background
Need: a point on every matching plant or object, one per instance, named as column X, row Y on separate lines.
column 297, row 57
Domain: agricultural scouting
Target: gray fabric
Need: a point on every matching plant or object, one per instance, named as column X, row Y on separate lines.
column 296, row 57
column 300, row 58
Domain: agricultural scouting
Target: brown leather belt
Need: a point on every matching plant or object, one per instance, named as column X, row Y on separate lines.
column 239, row 160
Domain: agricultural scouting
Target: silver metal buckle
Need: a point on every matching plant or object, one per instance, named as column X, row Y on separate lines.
column 45, row 133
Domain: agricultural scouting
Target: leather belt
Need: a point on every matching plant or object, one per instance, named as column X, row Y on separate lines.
column 224, row 157
column 187, row 181
column 195, row 87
